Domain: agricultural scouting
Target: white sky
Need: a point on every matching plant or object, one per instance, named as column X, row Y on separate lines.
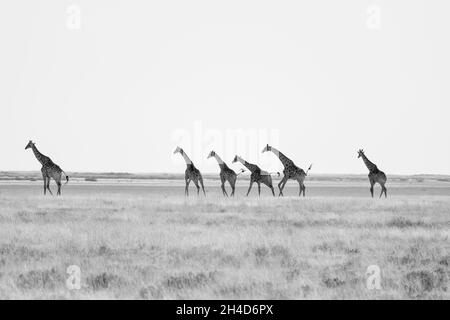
column 318, row 79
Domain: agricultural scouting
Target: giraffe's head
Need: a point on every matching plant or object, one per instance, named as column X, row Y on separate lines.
column 267, row 148
column 29, row 145
column 178, row 150
column 211, row 154
column 360, row 153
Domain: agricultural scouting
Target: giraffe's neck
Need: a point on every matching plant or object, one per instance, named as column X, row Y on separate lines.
column 370, row 165
column 251, row 167
column 39, row 156
column 284, row 160
column 219, row 161
column 186, row 159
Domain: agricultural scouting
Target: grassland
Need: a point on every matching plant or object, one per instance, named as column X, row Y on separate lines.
column 148, row 242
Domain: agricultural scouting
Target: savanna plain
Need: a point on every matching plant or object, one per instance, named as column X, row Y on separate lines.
column 136, row 238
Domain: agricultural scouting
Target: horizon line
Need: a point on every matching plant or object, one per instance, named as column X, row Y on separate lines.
column 212, row 173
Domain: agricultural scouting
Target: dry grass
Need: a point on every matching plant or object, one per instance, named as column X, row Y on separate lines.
column 139, row 247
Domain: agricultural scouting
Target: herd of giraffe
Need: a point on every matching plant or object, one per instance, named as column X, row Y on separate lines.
column 291, row 171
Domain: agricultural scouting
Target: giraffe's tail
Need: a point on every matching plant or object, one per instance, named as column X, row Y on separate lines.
column 277, row 173
column 310, row 166
column 67, row 178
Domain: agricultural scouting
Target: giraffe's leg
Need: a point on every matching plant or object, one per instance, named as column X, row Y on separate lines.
column 301, row 186
column 281, row 185
column 224, row 192
column 57, row 178
column 48, row 185
column 203, row 187
column 259, row 188
column 371, row 186
column 222, row 186
column 45, row 183
column 232, row 183
column 383, row 189
column 44, row 177
column 284, row 183
column 273, row 191
column 186, row 189
column 196, row 185
column 250, row 187
column 59, row 188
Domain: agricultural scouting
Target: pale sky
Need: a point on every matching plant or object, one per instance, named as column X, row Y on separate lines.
column 116, row 85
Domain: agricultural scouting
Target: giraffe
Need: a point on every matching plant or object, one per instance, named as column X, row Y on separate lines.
column 375, row 174
column 291, row 171
column 257, row 175
column 191, row 173
column 49, row 169
column 226, row 174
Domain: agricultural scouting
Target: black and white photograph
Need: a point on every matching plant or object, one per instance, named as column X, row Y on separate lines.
column 206, row 150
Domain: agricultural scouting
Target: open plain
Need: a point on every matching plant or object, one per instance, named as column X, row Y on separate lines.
column 143, row 239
